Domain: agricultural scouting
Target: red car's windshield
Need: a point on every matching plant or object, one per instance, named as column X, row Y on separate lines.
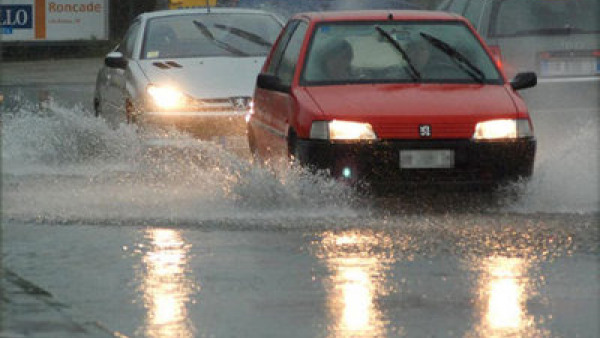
column 372, row 52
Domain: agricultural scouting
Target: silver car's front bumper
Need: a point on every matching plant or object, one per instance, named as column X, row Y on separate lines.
column 204, row 124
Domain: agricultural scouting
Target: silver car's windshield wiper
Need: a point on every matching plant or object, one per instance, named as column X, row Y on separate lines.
column 244, row 34
column 473, row 71
column 223, row 45
column 414, row 73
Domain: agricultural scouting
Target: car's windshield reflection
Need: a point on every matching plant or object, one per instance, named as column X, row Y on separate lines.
column 209, row 35
column 380, row 52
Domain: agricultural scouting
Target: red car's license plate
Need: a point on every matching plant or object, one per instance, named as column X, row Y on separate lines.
column 426, row 159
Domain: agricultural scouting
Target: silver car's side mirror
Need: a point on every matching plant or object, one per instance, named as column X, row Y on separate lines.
column 524, row 81
column 115, row 60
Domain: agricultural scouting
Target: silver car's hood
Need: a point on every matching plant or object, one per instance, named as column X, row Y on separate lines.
column 217, row 77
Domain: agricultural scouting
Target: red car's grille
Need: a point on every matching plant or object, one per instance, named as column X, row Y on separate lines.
column 411, row 130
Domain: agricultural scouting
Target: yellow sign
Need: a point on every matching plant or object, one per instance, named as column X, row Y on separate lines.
column 182, row 4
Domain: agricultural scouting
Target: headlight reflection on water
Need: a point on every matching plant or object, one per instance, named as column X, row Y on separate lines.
column 359, row 312
column 504, row 288
column 357, row 284
column 166, row 288
column 505, row 306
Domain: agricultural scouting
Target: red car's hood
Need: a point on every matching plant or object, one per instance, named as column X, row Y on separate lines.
column 396, row 110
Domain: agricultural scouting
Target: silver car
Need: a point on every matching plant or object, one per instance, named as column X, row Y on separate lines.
column 558, row 39
column 192, row 69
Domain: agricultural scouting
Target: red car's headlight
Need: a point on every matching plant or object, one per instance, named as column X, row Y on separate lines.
column 342, row 130
column 502, row 129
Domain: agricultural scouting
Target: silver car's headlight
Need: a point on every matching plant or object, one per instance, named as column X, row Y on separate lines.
column 502, row 129
column 166, row 97
column 341, row 130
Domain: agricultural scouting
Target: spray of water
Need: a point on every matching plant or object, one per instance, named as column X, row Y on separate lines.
column 45, row 140
column 566, row 175
column 64, row 165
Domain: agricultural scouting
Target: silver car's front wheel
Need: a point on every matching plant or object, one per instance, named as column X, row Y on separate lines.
column 97, row 108
column 129, row 112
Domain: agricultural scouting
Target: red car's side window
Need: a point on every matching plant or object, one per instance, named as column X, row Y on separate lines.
column 275, row 58
column 288, row 63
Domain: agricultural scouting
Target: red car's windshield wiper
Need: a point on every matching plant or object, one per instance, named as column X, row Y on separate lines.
column 473, row 71
column 414, row 73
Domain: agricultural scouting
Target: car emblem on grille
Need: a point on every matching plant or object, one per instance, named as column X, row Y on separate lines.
column 240, row 103
column 425, row 130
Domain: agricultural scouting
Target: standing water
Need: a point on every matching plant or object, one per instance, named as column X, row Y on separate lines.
column 63, row 165
column 205, row 242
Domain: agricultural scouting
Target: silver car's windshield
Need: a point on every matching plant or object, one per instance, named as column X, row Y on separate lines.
column 550, row 17
column 208, row 35
column 372, row 52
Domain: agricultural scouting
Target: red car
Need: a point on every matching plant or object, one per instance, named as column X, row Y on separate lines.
column 408, row 97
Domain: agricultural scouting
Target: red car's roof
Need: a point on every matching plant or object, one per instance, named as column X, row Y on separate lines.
column 374, row 15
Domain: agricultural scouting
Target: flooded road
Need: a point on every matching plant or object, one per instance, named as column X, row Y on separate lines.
column 163, row 235
column 444, row 276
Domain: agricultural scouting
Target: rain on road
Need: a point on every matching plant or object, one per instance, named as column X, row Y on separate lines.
column 181, row 237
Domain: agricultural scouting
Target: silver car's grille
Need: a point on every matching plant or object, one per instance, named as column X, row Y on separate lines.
column 210, row 104
column 230, row 105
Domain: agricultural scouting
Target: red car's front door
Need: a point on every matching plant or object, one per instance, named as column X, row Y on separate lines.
column 274, row 107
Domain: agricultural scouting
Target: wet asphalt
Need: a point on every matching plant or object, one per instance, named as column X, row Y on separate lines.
column 93, row 250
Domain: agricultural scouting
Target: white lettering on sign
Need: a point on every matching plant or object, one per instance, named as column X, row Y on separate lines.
column 15, row 16
column 20, row 18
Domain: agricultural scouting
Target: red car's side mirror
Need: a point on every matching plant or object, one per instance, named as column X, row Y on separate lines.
column 524, row 81
column 271, row 82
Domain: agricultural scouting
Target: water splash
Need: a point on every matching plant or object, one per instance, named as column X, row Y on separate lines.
column 50, row 140
column 566, row 176
column 63, row 165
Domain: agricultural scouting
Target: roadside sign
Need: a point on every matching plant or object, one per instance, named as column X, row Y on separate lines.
column 53, row 20
column 182, row 4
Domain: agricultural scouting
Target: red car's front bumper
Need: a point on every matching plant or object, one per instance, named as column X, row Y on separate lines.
column 378, row 163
